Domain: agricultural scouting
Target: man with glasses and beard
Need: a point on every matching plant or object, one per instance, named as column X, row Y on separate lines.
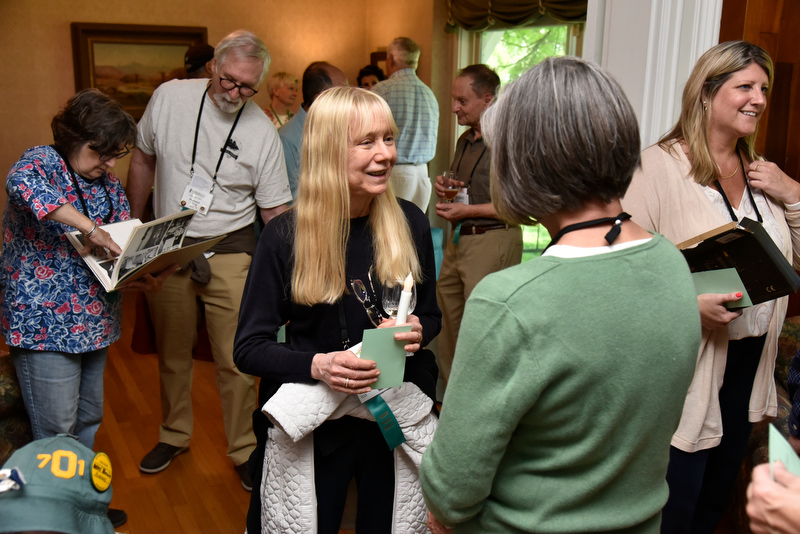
column 204, row 145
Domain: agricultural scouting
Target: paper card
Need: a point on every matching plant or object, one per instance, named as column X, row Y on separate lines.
column 380, row 346
column 722, row 281
column 779, row 449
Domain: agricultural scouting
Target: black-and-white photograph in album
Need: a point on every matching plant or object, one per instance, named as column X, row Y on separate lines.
column 147, row 248
column 173, row 236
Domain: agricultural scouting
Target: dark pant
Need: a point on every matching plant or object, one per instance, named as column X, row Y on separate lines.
column 700, row 482
column 422, row 371
column 367, row 459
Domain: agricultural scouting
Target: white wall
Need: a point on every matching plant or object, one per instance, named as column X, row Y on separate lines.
column 650, row 46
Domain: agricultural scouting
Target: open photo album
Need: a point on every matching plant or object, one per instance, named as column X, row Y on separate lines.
column 147, row 248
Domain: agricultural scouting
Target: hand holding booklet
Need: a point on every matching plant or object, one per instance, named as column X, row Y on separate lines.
column 780, row 449
column 380, row 346
column 748, row 249
column 147, row 248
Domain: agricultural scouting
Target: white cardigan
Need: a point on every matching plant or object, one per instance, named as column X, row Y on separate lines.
column 664, row 198
column 288, row 499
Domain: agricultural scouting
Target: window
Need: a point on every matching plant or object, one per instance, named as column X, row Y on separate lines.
column 512, row 52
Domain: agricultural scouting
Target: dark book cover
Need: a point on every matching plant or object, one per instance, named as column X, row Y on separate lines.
column 747, row 247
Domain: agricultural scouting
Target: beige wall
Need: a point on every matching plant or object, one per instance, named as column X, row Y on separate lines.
column 37, row 50
column 410, row 18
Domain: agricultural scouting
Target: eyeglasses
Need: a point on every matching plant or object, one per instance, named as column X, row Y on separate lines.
column 360, row 292
column 118, row 155
column 107, row 157
column 228, row 85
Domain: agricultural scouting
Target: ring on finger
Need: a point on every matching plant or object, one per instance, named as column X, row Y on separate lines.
column 758, row 166
column 347, row 383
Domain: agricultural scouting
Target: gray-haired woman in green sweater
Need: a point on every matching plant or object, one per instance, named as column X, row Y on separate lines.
column 571, row 370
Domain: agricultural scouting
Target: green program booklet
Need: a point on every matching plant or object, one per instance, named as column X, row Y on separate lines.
column 722, row 281
column 780, row 449
column 746, row 247
column 380, row 346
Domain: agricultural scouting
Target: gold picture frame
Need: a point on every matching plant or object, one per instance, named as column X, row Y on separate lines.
column 128, row 61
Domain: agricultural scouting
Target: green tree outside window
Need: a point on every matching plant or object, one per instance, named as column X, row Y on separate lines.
column 510, row 53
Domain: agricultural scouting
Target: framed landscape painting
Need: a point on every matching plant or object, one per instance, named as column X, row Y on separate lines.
column 128, row 61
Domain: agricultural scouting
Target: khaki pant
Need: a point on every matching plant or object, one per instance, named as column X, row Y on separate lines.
column 174, row 314
column 463, row 266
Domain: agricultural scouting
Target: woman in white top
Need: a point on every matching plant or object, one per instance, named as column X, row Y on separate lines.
column 702, row 175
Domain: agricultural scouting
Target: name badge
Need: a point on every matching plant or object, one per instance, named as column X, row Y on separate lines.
column 462, row 196
column 197, row 195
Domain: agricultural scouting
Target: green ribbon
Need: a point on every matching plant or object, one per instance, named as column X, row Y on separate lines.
column 456, row 233
column 387, row 422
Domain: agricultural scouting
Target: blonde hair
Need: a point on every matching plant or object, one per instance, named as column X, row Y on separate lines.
column 712, row 70
column 322, row 209
column 278, row 80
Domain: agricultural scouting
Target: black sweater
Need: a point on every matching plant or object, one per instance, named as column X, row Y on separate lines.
column 267, row 304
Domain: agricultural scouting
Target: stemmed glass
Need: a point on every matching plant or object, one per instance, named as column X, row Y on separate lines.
column 450, row 188
column 391, row 297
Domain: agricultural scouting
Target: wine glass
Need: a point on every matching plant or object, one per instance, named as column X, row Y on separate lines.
column 391, row 297
column 450, row 188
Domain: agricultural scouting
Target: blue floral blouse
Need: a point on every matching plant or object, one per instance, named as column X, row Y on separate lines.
column 51, row 300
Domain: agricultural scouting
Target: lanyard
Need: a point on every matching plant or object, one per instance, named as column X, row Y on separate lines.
column 224, row 146
column 79, row 191
column 277, row 118
column 749, row 192
column 457, row 166
column 610, row 237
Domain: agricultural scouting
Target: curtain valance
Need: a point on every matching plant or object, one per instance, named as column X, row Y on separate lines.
column 479, row 15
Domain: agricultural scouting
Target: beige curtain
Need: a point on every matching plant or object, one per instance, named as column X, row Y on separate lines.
column 479, row 15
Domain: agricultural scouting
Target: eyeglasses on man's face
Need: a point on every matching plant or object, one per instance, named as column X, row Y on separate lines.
column 228, row 85
column 360, row 292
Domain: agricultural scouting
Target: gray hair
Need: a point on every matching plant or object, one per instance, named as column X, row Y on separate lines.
column 243, row 44
column 560, row 135
column 404, row 52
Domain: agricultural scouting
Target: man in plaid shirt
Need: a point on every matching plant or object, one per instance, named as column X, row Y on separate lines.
column 416, row 113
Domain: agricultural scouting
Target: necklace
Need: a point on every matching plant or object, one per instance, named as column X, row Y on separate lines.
column 749, row 192
column 735, row 170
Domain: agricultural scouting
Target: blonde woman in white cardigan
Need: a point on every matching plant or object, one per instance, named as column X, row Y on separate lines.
column 701, row 175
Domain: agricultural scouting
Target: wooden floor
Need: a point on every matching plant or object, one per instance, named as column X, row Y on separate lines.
column 199, row 492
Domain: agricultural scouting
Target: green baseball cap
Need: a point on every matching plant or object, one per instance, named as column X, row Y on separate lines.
column 57, row 485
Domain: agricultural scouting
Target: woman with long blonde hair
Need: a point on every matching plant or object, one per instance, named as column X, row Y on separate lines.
column 320, row 268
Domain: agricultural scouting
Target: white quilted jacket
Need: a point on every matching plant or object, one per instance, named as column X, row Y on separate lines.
column 288, row 499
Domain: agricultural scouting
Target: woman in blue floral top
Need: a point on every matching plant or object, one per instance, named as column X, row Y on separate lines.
column 57, row 319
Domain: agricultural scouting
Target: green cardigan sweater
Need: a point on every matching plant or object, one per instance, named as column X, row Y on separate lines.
column 568, row 381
